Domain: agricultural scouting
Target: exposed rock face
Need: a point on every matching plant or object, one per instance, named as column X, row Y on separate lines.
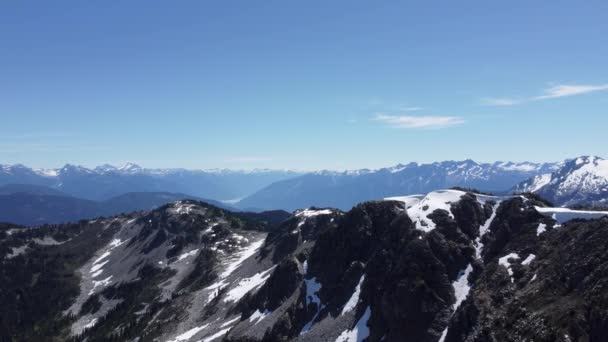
column 448, row 266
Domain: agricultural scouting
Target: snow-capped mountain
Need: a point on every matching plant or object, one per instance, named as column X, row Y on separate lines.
column 106, row 181
column 345, row 189
column 580, row 181
column 448, row 266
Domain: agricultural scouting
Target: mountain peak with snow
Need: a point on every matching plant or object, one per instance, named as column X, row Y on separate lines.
column 583, row 180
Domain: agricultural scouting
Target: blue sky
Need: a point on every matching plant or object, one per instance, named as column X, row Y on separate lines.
column 301, row 84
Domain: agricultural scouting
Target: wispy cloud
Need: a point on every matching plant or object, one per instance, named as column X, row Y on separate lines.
column 499, row 101
column 570, row 90
column 407, row 109
column 553, row 92
column 413, row 122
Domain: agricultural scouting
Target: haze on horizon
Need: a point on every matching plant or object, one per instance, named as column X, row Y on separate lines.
column 306, row 86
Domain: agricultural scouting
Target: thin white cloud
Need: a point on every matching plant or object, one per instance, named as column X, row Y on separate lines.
column 407, row 109
column 570, row 90
column 499, row 101
column 413, row 122
column 560, row 90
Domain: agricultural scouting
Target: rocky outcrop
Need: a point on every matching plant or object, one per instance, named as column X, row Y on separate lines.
column 449, row 266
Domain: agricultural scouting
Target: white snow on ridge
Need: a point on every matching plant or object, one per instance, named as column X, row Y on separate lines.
column 312, row 212
column 100, row 283
column 97, row 267
column 351, row 304
column 461, row 291
column 359, row 332
column 529, row 259
column 231, row 322
column 47, row 172
column 418, row 207
column 409, row 201
column 535, row 183
column 115, row 243
column 435, row 200
column 562, row 215
column 484, row 229
column 188, row 334
column 524, row 167
column 187, row 254
column 241, row 257
column 538, row 182
column 216, row 335
column 589, row 177
column 103, row 256
column 307, row 213
column 91, row 324
column 234, row 264
column 461, row 286
column 248, row 284
column 258, row 316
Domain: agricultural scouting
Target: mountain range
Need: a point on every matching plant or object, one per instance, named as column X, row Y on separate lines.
column 447, row 266
column 345, row 189
column 106, row 181
column 578, row 181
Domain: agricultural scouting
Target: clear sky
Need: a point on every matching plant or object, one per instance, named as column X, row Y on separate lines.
column 301, row 84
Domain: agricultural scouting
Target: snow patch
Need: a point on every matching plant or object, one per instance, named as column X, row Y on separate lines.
column 239, row 258
column 541, row 229
column 100, row 283
column 409, row 201
column 188, row 334
column 562, row 215
column 312, row 290
column 308, row 213
column 216, row 335
column 484, row 229
column 187, row 254
column 529, row 259
column 115, row 243
column 419, row 211
column 354, row 298
column 313, row 212
column 504, row 261
column 248, row 284
column 461, row 286
column 97, row 267
column 359, row 332
column 90, row 324
column 230, row 322
column 258, row 316
column 103, row 256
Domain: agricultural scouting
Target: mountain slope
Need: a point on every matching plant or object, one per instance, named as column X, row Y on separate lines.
column 35, row 205
column 31, row 189
column 581, row 181
column 447, row 266
column 343, row 190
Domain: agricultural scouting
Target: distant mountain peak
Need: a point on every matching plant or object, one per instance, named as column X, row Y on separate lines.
column 583, row 180
column 130, row 168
